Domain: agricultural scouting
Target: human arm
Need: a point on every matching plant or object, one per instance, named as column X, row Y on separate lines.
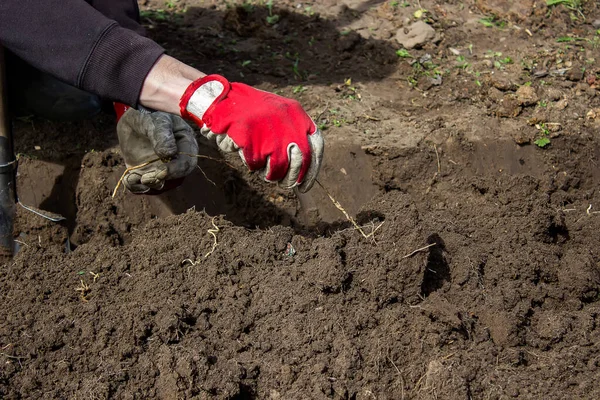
column 76, row 43
column 272, row 134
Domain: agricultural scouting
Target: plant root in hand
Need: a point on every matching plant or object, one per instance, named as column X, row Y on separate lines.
column 129, row 169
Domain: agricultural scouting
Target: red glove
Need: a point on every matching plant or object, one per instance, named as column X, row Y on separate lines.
column 271, row 133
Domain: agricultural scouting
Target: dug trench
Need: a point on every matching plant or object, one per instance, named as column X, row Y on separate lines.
column 480, row 279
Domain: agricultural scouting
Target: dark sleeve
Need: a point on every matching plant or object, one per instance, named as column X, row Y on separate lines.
column 76, row 43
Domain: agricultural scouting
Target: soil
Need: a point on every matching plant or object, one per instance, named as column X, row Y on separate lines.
column 481, row 275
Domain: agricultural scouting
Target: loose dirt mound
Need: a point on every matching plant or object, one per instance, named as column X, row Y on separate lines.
column 504, row 301
column 481, row 280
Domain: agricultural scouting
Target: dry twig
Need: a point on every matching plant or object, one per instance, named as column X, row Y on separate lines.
column 437, row 155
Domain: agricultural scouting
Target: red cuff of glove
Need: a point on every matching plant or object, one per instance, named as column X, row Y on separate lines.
column 120, row 109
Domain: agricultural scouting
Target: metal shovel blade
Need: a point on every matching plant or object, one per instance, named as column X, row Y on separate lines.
column 44, row 214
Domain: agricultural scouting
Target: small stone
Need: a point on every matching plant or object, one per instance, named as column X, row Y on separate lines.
column 526, row 96
column 502, row 82
column 561, row 104
column 424, row 83
column 594, row 113
column 596, row 24
column 553, row 126
column 553, row 94
column 495, row 94
column 521, row 137
column 425, row 58
column 436, row 80
column 575, row 74
column 487, row 63
column 415, row 35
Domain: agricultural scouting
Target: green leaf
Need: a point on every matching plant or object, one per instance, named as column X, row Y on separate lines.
column 403, row 53
column 542, row 142
column 488, row 22
column 272, row 19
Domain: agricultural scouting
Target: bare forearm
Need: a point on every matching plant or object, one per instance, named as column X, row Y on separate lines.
column 166, row 83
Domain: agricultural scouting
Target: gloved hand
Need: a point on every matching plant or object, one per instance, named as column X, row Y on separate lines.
column 146, row 136
column 272, row 134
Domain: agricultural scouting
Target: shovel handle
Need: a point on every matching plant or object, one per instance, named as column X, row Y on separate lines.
column 7, row 168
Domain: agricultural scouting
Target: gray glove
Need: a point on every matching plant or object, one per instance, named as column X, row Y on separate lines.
column 146, row 136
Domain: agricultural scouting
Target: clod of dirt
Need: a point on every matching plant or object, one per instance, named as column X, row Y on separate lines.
column 507, row 9
column 502, row 82
column 593, row 114
column 575, row 74
column 508, row 107
column 522, row 136
column 553, row 94
column 526, row 96
column 416, row 35
column 561, row 104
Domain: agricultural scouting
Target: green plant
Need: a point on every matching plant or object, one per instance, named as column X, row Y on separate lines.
column 248, row 6
column 299, row 89
column 403, row 53
column 492, row 21
column 272, row 19
column 567, row 39
column 154, row 15
column 543, row 140
column 461, row 62
column 573, row 5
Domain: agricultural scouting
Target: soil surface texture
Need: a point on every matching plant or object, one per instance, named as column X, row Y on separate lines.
column 462, row 136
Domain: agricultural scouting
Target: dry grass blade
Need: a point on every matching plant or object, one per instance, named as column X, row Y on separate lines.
column 348, row 217
column 419, row 250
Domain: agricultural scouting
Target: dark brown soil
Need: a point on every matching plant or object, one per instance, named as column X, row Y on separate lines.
column 481, row 280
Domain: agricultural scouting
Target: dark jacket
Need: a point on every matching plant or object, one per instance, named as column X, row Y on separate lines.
column 95, row 45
